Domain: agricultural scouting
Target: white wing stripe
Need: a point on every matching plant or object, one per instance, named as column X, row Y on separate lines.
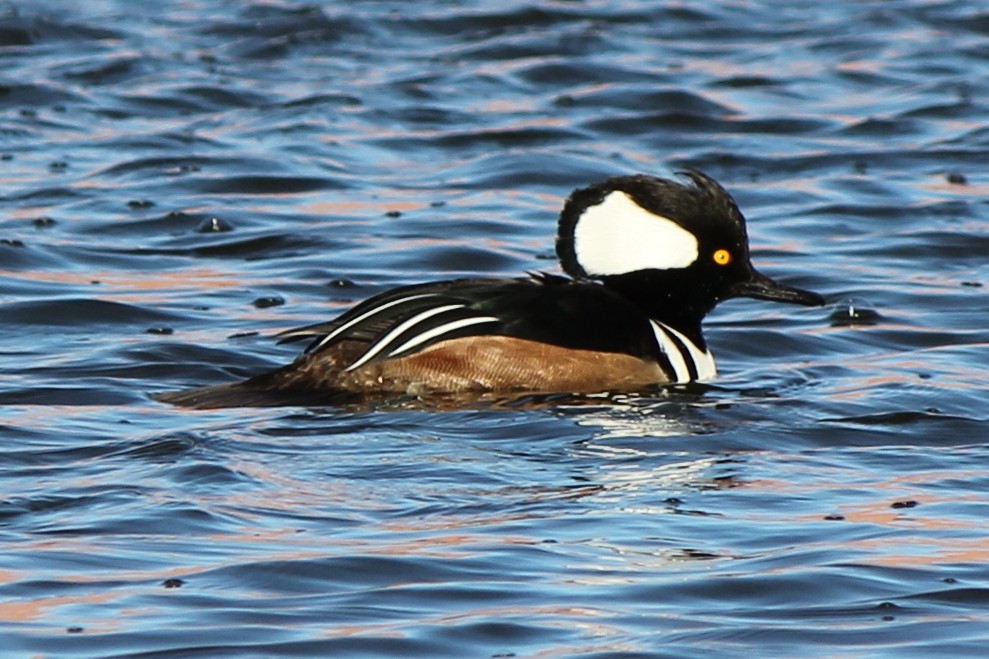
column 442, row 329
column 383, row 342
column 364, row 316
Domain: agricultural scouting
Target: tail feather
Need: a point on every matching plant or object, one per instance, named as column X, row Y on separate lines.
column 255, row 392
column 217, row 396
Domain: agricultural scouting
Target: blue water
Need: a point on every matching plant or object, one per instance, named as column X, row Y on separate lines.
column 180, row 182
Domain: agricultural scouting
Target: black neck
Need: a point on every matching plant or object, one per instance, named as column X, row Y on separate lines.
column 668, row 299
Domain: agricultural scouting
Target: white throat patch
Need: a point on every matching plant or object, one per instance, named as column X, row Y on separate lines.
column 619, row 236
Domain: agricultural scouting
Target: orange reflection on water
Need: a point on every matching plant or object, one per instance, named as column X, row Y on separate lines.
column 367, row 209
column 119, row 280
column 906, row 532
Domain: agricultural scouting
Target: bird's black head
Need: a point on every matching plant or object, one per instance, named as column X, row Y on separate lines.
column 675, row 250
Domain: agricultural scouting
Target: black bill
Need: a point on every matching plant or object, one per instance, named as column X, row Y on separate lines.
column 763, row 288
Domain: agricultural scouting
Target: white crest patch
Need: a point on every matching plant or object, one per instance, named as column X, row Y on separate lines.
column 619, row 236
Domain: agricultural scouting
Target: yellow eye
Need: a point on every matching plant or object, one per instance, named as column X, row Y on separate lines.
column 722, row 257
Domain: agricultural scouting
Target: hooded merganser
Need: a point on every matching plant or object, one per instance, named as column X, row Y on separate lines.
column 647, row 259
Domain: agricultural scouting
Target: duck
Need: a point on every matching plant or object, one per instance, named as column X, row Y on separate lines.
column 644, row 260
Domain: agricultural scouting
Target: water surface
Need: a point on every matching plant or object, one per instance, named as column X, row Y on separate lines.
column 177, row 184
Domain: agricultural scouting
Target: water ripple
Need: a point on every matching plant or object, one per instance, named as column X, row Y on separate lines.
column 167, row 176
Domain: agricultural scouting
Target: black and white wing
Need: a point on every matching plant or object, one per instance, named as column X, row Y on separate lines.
column 404, row 320
column 544, row 308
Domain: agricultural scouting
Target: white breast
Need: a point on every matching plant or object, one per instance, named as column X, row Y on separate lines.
column 680, row 350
